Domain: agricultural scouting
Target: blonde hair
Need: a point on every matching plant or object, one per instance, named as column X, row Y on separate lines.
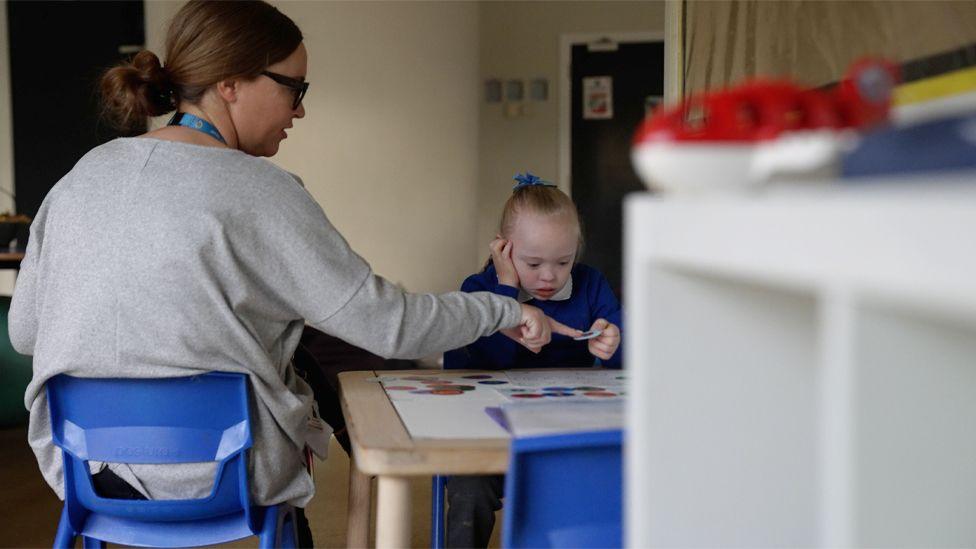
column 544, row 200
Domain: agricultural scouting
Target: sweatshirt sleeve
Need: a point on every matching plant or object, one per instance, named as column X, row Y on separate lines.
column 496, row 351
column 394, row 324
column 307, row 265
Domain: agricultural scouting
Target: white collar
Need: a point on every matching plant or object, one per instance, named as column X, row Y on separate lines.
column 563, row 294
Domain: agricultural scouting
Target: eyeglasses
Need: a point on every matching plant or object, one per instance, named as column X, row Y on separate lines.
column 298, row 87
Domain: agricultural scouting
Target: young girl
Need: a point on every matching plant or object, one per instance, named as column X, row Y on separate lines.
column 533, row 259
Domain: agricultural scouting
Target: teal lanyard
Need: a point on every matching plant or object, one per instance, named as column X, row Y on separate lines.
column 187, row 120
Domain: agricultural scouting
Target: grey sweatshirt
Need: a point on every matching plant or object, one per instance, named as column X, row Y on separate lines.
column 154, row 258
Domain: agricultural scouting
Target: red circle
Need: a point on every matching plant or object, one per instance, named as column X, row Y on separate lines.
column 446, row 392
column 527, row 395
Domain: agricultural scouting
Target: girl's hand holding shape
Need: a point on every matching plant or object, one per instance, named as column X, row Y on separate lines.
column 501, row 257
column 604, row 345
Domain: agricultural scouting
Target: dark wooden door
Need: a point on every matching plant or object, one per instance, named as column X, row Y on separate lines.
column 601, row 169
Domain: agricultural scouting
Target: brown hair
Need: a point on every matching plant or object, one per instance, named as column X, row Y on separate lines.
column 207, row 41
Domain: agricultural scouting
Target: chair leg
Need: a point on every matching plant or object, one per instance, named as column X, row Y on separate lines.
column 65, row 537
column 288, row 537
column 268, row 538
column 437, row 512
column 92, row 543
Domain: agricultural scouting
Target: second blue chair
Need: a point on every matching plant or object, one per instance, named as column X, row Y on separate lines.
column 565, row 491
column 560, row 491
column 161, row 421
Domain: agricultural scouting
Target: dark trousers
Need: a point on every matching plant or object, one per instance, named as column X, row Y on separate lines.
column 109, row 485
column 471, row 505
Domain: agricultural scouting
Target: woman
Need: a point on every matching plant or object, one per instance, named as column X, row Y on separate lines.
column 182, row 251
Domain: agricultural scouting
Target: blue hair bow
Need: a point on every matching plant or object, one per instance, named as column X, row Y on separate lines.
column 528, row 179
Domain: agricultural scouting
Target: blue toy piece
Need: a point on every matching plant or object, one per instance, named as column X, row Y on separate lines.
column 173, row 420
column 932, row 146
column 564, row 491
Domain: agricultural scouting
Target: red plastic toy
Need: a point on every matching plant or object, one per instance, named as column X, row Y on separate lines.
column 724, row 128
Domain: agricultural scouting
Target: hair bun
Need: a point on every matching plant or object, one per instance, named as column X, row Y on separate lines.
column 137, row 89
column 156, row 79
column 149, row 66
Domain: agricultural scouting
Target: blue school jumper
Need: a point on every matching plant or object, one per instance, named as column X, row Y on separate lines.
column 591, row 299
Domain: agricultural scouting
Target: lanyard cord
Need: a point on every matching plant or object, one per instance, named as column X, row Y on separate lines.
column 188, row 120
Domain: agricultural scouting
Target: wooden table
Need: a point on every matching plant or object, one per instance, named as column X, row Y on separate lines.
column 382, row 447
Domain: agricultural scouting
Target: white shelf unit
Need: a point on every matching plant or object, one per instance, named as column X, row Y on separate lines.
column 803, row 366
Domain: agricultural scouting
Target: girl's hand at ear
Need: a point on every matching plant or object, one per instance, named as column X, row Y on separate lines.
column 604, row 345
column 536, row 329
column 501, row 257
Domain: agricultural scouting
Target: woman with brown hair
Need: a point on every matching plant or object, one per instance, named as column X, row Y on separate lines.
column 182, row 251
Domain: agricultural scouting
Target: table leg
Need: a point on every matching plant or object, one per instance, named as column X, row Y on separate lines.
column 357, row 512
column 393, row 513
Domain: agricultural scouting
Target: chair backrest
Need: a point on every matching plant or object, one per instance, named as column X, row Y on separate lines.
column 161, row 421
column 565, row 491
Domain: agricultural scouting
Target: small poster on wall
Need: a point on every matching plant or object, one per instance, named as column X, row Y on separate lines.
column 597, row 98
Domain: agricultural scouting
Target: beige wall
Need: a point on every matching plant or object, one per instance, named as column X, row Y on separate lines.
column 389, row 145
column 522, row 40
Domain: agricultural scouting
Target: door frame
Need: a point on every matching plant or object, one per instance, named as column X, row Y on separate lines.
column 566, row 43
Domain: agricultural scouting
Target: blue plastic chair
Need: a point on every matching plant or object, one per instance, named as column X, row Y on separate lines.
column 564, row 491
column 175, row 420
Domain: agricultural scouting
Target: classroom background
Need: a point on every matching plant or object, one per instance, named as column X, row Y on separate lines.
column 419, row 114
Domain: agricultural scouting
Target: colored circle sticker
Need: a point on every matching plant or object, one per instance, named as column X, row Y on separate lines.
column 446, row 392
column 557, row 389
column 401, row 388
column 557, row 394
column 599, row 394
column 421, row 392
column 590, row 389
column 493, row 382
column 477, row 376
column 527, row 395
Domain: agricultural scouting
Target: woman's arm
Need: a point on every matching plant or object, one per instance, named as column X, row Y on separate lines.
column 496, row 351
column 391, row 323
column 294, row 257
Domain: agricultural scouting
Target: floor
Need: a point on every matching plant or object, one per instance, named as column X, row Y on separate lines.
column 29, row 510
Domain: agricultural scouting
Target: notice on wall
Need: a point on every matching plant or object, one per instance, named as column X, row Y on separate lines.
column 597, row 98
